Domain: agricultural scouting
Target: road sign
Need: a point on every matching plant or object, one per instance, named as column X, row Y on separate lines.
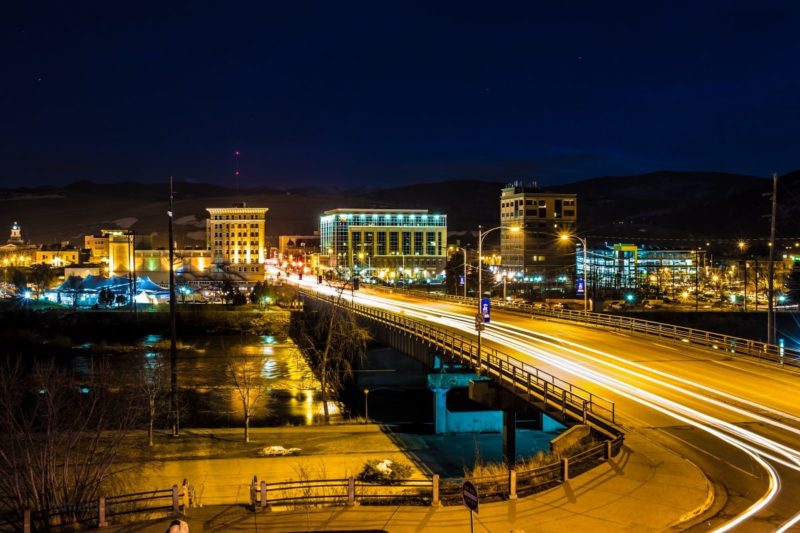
column 581, row 287
column 469, row 493
column 479, row 325
column 486, row 308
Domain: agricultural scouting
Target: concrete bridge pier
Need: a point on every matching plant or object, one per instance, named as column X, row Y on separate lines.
column 440, row 410
column 446, row 421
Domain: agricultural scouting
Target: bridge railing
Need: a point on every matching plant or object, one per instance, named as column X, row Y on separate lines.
column 523, row 379
column 715, row 341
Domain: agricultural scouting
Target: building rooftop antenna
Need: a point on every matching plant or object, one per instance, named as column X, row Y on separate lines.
column 236, row 168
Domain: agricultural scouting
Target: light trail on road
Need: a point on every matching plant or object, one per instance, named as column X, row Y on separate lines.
column 619, row 375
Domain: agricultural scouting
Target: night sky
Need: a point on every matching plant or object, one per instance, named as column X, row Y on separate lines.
column 379, row 93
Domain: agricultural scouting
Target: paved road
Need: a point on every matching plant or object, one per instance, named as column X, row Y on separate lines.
column 737, row 419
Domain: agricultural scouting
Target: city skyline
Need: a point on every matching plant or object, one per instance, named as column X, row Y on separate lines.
column 321, row 95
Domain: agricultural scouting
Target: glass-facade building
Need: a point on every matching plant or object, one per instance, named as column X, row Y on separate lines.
column 390, row 243
column 630, row 267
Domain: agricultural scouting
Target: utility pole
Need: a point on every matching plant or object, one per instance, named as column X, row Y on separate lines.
column 132, row 236
column 771, row 280
column 173, row 356
column 129, row 268
column 465, row 272
column 696, row 288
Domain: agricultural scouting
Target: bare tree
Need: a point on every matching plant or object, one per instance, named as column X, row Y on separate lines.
column 59, row 440
column 334, row 342
column 244, row 373
column 152, row 379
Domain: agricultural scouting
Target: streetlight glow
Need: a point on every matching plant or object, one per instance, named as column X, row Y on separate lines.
column 582, row 240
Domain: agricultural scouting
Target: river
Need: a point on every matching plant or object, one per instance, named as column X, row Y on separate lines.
column 287, row 392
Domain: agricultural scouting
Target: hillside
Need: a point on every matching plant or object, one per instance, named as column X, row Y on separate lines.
column 659, row 204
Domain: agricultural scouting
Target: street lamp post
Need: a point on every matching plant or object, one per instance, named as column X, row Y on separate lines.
column 582, row 240
column 366, row 405
column 481, row 235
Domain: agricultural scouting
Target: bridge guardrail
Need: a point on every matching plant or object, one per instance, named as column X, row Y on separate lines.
column 716, row 341
column 523, row 379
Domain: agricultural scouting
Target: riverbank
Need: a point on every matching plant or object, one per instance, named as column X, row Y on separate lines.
column 219, row 465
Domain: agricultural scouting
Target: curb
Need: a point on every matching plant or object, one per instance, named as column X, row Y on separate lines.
column 703, row 507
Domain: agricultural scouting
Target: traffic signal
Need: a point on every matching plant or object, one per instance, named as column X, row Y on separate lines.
column 300, row 275
column 319, row 280
column 355, row 284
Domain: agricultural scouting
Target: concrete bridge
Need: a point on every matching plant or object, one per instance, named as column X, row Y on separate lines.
column 497, row 380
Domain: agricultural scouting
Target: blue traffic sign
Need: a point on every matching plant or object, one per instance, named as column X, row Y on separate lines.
column 581, row 287
column 486, row 309
column 469, row 494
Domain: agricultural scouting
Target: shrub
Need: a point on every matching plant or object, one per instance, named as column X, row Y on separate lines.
column 384, row 471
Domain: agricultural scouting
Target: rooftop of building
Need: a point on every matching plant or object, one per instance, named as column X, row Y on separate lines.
column 59, row 247
column 517, row 187
column 237, row 208
column 371, row 211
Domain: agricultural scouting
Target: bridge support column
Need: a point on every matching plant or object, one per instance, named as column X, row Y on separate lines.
column 440, row 410
column 510, row 437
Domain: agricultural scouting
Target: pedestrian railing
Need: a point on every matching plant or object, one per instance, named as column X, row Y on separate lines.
column 553, row 395
column 173, row 501
column 339, row 492
column 715, row 341
column 434, row 491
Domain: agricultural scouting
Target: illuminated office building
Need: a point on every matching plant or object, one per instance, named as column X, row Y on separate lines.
column 386, row 243
column 236, row 237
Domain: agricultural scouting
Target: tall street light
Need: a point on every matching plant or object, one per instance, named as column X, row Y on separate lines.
column 481, row 235
column 582, row 240
column 479, row 316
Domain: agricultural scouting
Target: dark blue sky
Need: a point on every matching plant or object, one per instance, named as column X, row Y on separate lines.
column 341, row 94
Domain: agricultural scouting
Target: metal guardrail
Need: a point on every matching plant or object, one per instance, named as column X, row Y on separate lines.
column 525, row 380
column 427, row 491
column 715, row 341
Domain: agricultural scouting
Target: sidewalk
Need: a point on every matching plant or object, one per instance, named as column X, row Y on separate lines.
column 644, row 488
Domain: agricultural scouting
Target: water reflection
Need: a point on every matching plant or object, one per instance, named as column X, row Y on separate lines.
column 150, row 340
column 270, row 369
column 288, row 391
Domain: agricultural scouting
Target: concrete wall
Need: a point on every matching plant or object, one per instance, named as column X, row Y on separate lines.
column 569, row 438
column 474, row 421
